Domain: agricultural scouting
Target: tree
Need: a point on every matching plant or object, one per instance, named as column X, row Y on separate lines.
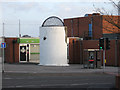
column 109, row 18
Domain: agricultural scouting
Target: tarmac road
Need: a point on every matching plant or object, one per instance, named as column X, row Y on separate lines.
column 32, row 76
column 87, row 80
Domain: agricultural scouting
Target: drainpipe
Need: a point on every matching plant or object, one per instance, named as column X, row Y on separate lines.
column 72, row 28
column 78, row 27
column 73, row 51
column 116, row 61
column 81, row 54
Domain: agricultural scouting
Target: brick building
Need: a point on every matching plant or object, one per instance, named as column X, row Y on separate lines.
column 90, row 28
column 22, row 50
column 76, row 51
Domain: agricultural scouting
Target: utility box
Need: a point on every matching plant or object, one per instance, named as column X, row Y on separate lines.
column 92, row 58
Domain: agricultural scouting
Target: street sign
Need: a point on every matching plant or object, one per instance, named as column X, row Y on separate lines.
column 3, row 45
column 105, row 60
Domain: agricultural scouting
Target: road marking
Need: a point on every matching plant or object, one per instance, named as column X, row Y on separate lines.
column 45, row 85
column 53, row 85
column 8, row 78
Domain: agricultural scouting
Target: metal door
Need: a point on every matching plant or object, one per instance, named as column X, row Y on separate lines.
column 23, row 55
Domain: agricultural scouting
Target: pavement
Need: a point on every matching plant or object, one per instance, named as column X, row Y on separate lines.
column 72, row 76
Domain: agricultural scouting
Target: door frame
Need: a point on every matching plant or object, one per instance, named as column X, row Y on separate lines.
column 19, row 52
column 29, row 51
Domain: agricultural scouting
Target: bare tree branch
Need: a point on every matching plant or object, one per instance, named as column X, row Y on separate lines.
column 114, row 21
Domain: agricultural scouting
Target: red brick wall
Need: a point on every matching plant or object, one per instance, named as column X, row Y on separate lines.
column 67, row 23
column 90, row 44
column 80, row 26
column 119, row 23
column 71, row 50
column 110, row 54
column 108, row 27
column 9, row 50
column 119, row 53
column 76, row 51
column 97, row 27
column 84, row 26
column 76, row 27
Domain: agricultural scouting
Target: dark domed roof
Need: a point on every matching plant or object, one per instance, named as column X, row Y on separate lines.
column 52, row 21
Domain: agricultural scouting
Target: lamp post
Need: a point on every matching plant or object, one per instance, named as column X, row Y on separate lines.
column 3, row 29
column 3, row 51
column 116, row 42
column 19, row 29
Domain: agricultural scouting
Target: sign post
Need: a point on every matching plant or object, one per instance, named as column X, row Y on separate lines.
column 103, row 60
column 3, row 45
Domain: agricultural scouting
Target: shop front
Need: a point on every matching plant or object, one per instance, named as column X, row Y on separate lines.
column 29, row 50
column 22, row 50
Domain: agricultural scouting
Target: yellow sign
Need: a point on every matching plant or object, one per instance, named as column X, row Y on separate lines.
column 105, row 60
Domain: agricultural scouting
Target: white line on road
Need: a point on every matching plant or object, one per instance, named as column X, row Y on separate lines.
column 53, row 85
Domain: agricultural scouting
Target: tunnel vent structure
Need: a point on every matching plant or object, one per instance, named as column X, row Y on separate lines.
column 53, row 46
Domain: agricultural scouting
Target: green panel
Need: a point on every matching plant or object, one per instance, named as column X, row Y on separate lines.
column 22, row 40
column 18, row 40
column 34, row 53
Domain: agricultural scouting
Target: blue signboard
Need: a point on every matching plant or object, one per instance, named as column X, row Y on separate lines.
column 3, row 45
column 90, row 30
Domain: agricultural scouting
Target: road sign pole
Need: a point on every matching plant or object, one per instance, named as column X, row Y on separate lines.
column 3, row 62
column 3, row 46
column 103, row 60
column 104, row 57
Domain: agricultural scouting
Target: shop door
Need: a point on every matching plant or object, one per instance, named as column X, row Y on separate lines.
column 23, row 54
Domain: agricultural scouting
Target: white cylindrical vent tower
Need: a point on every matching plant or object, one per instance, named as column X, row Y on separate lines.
column 53, row 45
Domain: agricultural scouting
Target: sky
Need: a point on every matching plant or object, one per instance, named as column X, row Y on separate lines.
column 32, row 13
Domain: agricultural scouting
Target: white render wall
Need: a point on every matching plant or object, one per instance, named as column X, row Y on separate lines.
column 53, row 50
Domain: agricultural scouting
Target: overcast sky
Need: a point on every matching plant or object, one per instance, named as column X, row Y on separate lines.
column 32, row 13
